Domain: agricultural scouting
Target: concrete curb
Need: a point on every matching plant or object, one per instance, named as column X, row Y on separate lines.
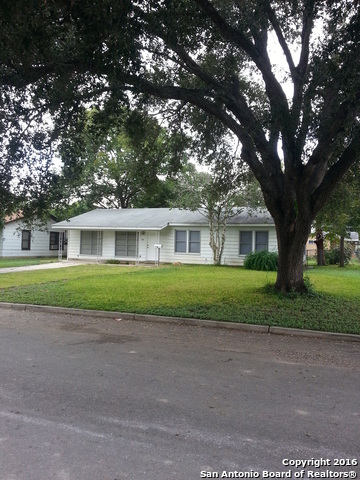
column 183, row 321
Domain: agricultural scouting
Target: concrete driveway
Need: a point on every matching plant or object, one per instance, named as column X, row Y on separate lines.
column 85, row 398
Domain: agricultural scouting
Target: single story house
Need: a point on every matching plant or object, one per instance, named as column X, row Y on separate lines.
column 163, row 235
column 19, row 238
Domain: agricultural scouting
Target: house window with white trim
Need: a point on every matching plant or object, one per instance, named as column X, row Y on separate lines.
column 194, row 241
column 187, row 241
column 91, row 243
column 25, row 240
column 54, row 241
column 261, row 241
column 245, row 243
column 125, row 244
column 253, row 241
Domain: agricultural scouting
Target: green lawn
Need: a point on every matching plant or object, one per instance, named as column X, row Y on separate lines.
column 23, row 262
column 206, row 292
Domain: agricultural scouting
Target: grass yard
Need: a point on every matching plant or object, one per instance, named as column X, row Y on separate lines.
column 25, row 261
column 205, row 292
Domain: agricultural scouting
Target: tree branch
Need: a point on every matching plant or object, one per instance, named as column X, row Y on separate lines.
column 257, row 53
column 336, row 172
column 280, row 36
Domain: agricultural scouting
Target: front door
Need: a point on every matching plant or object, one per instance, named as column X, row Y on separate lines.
column 151, row 239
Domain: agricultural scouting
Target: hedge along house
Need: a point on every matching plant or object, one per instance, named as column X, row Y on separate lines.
column 19, row 238
column 163, row 235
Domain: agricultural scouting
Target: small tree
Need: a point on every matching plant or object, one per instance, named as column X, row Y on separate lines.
column 215, row 197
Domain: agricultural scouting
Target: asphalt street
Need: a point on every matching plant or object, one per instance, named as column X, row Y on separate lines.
column 85, row 398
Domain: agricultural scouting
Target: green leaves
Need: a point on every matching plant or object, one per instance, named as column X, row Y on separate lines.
column 123, row 162
column 262, row 261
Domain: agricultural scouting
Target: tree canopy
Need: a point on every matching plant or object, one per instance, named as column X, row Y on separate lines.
column 124, row 162
column 280, row 77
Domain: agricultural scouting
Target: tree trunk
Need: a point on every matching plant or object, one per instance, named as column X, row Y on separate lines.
column 320, row 255
column 217, row 238
column 342, row 251
column 291, row 249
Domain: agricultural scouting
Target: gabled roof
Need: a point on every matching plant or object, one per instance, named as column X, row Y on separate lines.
column 152, row 219
column 20, row 216
column 13, row 217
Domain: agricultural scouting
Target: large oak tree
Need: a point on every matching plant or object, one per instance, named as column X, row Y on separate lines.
column 281, row 76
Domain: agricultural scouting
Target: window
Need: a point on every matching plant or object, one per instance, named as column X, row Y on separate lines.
column 91, row 243
column 54, row 241
column 245, row 243
column 187, row 241
column 180, row 241
column 125, row 244
column 261, row 241
column 25, row 239
column 250, row 241
column 194, row 241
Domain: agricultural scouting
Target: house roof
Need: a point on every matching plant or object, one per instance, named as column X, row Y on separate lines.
column 30, row 222
column 353, row 237
column 152, row 219
column 13, row 217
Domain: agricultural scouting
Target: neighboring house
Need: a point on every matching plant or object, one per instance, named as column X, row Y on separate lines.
column 20, row 239
column 352, row 240
column 311, row 248
column 162, row 234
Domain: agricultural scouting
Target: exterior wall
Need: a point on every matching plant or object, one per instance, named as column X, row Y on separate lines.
column 168, row 255
column 11, row 241
column 311, row 250
column 108, row 247
column 73, row 247
column 231, row 254
column 166, row 238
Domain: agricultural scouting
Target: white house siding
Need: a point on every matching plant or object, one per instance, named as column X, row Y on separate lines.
column 168, row 254
column 73, row 247
column 231, row 254
column 108, row 246
column 231, row 250
column 166, row 238
column 11, row 241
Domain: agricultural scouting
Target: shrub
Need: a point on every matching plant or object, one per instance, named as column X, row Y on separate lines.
column 332, row 257
column 264, row 260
